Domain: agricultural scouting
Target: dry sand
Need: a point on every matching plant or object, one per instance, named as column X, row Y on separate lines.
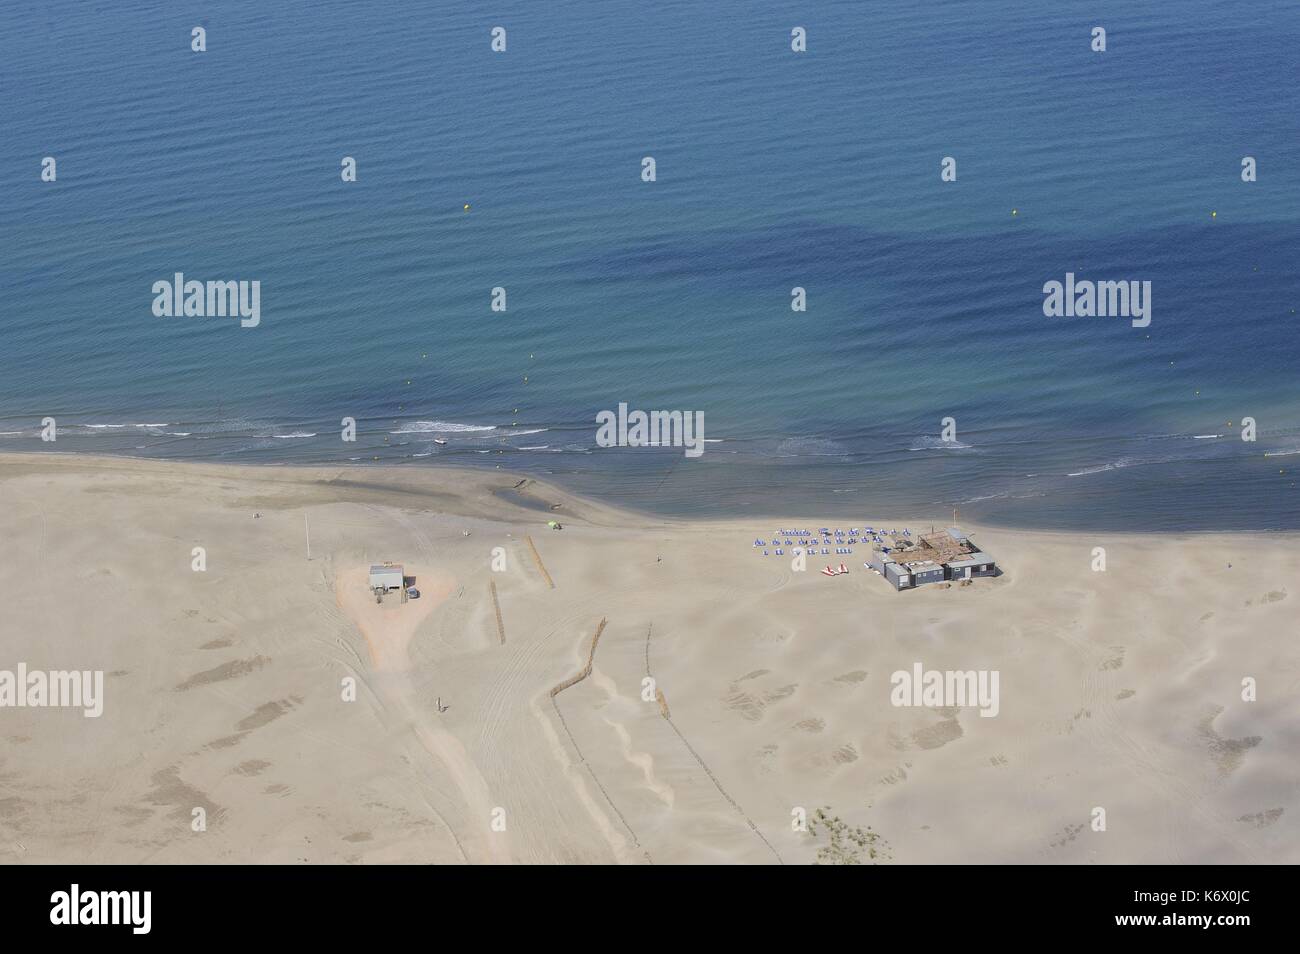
column 225, row 688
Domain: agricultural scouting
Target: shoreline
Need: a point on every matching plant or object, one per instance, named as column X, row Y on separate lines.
column 400, row 479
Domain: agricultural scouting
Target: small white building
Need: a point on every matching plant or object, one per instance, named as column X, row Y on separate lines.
column 386, row 576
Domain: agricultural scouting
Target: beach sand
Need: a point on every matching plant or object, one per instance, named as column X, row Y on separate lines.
column 227, row 689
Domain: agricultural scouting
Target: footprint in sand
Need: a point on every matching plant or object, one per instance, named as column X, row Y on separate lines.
column 750, row 705
column 1262, row 819
column 1227, row 753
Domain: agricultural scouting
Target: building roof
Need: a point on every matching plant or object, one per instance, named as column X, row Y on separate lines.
column 973, row 559
column 957, row 534
column 385, row 568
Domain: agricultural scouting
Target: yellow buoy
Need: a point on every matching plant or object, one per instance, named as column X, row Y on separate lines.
column 1015, row 211
column 1214, row 215
column 466, row 206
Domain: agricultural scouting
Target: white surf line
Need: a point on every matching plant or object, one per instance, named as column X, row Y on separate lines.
column 707, row 771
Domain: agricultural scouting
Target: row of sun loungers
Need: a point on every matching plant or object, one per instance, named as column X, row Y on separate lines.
column 810, row 550
column 843, row 540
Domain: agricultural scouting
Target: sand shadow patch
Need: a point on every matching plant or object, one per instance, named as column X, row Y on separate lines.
column 230, row 670
column 1226, row 753
column 750, row 705
column 1261, row 819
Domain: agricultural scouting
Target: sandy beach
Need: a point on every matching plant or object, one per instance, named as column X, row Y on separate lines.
column 727, row 693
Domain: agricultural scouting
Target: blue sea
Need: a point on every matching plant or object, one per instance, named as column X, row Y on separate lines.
column 774, row 169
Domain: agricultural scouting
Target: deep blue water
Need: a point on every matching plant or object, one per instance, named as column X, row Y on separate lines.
column 775, row 169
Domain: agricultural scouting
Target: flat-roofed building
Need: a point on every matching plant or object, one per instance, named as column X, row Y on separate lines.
column 386, row 576
column 975, row 564
column 949, row 555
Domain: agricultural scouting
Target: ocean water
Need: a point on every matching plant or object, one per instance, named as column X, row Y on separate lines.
column 774, row 170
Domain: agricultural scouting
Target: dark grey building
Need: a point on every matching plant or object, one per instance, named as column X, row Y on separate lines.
column 974, row 564
column 898, row 576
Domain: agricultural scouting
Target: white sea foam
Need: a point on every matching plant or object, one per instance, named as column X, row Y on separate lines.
column 289, row 437
column 928, row 442
column 997, row 496
column 1094, row 470
column 441, row 427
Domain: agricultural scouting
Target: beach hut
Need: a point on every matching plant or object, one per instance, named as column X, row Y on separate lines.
column 971, row 565
column 898, row 576
column 386, row 576
column 923, row 573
